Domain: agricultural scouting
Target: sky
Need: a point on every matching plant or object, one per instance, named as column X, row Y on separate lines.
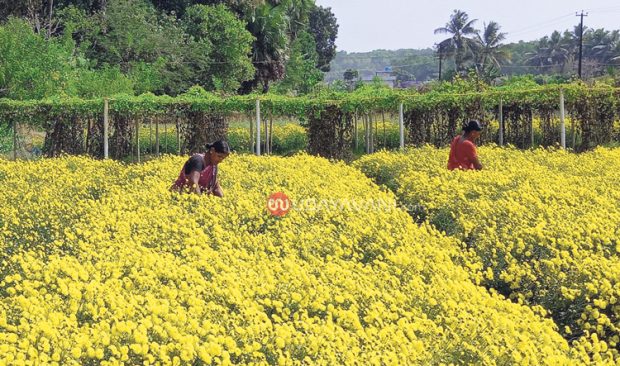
column 367, row 25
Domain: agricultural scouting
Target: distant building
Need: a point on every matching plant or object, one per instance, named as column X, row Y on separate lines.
column 386, row 76
column 409, row 84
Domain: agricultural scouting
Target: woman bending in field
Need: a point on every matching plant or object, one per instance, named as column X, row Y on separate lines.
column 199, row 173
column 463, row 154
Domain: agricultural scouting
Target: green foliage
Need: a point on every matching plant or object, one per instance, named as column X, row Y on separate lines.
column 83, row 28
column 324, row 28
column 274, row 26
column 340, row 86
column 6, row 138
column 165, row 47
column 104, row 82
column 460, row 85
column 301, row 73
column 147, row 77
column 461, row 45
column 268, row 24
column 365, row 99
column 30, row 66
column 219, row 48
column 130, row 34
column 132, row 31
column 522, row 81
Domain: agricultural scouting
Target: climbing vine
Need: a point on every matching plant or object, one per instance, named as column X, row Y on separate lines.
column 75, row 126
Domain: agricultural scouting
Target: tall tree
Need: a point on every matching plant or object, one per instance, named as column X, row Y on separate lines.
column 539, row 57
column 178, row 7
column 134, row 36
column 302, row 76
column 444, row 50
column 351, row 75
column 601, row 45
column 221, row 47
column 275, row 25
column 39, row 13
column 490, row 52
column 297, row 12
column 461, row 41
column 557, row 51
column 552, row 54
column 270, row 47
column 324, row 28
column 132, row 31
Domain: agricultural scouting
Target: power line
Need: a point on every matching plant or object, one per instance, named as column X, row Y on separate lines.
column 540, row 25
column 605, row 9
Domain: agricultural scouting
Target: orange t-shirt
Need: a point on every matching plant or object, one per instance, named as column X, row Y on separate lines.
column 462, row 154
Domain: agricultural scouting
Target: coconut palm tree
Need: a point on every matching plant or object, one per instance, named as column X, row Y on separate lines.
column 558, row 51
column 269, row 25
column 489, row 50
column 460, row 42
column 603, row 44
column 540, row 56
column 551, row 52
column 570, row 39
column 297, row 12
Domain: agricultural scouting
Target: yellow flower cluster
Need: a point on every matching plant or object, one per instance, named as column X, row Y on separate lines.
column 286, row 138
column 540, row 226
column 101, row 264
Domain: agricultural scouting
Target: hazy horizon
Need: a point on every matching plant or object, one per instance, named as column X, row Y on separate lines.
column 400, row 24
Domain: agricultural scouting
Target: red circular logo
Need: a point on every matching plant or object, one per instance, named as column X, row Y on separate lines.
column 278, row 204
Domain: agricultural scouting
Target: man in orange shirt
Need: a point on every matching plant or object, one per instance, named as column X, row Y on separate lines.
column 463, row 154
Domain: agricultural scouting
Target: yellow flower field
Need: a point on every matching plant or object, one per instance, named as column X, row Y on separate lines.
column 100, row 264
column 539, row 226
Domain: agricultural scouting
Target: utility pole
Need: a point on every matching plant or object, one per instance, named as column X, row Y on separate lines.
column 439, row 51
column 581, row 39
column 440, row 66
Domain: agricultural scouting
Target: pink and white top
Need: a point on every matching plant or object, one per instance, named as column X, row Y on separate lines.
column 208, row 173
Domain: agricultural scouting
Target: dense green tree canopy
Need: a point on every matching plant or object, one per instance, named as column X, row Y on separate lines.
column 324, row 27
column 302, row 76
column 219, row 46
column 167, row 46
column 30, row 66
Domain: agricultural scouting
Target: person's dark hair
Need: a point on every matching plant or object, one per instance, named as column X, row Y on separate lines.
column 472, row 125
column 220, row 146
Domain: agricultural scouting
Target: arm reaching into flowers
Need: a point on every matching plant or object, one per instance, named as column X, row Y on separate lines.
column 199, row 172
